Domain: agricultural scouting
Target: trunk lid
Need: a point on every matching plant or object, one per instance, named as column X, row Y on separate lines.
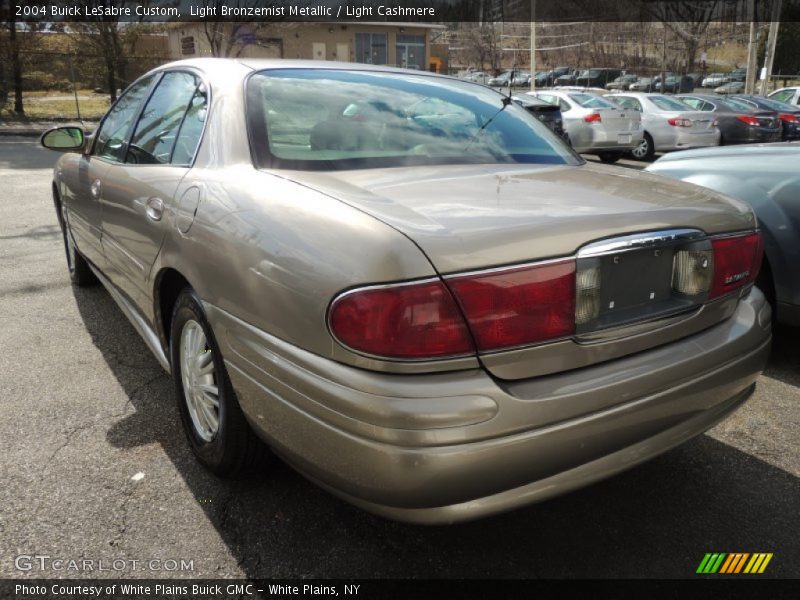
column 619, row 120
column 468, row 218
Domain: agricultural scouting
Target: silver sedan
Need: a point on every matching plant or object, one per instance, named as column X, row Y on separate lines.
column 406, row 285
column 669, row 124
column 595, row 125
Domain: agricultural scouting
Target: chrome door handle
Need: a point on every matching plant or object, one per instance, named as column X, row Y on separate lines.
column 154, row 208
column 96, row 188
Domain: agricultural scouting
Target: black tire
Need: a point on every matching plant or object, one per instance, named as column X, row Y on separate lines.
column 609, row 157
column 234, row 448
column 646, row 150
column 80, row 274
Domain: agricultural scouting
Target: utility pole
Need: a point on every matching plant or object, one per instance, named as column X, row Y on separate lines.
column 752, row 61
column 772, row 40
column 533, row 45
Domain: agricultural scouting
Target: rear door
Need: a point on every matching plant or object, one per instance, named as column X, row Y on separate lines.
column 138, row 190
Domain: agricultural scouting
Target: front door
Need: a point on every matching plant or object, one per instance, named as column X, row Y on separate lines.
column 84, row 202
column 138, row 191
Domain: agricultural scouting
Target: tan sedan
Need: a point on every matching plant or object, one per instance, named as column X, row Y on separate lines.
column 405, row 285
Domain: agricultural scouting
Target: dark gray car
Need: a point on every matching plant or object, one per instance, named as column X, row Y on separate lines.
column 766, row 176
column 738, row 123
column 788, row 114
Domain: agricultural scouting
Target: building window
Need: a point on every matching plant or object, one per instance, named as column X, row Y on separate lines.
column 187, row 45
column 411, row 51
column 371, row 48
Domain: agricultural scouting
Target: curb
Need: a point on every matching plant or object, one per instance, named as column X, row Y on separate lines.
column 21, row 132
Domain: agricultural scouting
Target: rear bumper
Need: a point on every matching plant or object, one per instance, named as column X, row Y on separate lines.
column 457, row 446
column 753, row 135
column 684, row 140
column 602, row 140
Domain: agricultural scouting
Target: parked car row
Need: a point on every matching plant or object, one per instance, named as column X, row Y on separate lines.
column 408, row 288
column 666, row 123
column 595, row 125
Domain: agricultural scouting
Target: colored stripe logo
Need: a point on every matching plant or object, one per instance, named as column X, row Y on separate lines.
column 734, row 563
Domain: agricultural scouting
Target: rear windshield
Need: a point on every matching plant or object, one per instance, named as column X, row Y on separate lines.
column 591, row 101
column 738, row 104
column 324, row 119
column 667, row 103
column 775, row 105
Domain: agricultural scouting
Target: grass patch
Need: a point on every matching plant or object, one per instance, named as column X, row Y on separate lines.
column 61, row 107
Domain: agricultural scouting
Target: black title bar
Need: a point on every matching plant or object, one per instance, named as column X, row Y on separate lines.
column 430, row 11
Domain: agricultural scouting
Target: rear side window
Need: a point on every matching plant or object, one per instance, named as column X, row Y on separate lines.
column 667, row 103
column 113, row 133
column 191, row 129
column 695, row 103
column 626, row 102
column 590, row 101
column 737, row 104
column 154, row 138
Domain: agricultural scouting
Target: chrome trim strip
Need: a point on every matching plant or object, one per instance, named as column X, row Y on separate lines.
column 139, row 324
column 510, row 268
column 637, row 241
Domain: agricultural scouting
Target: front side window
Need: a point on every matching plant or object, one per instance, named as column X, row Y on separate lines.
column 157, row 129
column 113, row 133
column 336, row 119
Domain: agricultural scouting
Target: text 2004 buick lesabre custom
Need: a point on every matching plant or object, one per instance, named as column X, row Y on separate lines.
column 406, row 285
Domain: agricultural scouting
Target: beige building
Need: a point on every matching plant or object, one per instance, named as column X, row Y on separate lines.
column 397, row 44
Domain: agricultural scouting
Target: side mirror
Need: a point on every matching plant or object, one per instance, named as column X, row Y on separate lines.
column 64, row 139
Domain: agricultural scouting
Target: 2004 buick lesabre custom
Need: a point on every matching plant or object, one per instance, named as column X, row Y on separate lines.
column 406, row 285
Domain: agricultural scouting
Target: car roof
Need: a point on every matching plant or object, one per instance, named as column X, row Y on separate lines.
column 738, row 150
column 209, row 64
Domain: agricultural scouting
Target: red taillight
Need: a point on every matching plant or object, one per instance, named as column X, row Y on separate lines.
column 737, row 260
column 747, row 119
column 593, row 118
column 518, row 306
column 679, row 122
column 410, row 321
column 789, row 118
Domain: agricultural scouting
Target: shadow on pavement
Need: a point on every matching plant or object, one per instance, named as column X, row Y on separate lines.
column 657, row 520
column 784, row 363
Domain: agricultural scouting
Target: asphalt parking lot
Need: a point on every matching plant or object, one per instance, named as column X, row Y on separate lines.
column 95, row 466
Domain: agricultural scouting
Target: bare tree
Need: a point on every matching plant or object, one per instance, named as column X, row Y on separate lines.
column 480, row 45
column 689, row 21
column 21, row 34
column 229, row 39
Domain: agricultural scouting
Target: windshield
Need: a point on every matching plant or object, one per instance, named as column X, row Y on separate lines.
column 339, row 119
column 590, row 101
column 667, row 103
